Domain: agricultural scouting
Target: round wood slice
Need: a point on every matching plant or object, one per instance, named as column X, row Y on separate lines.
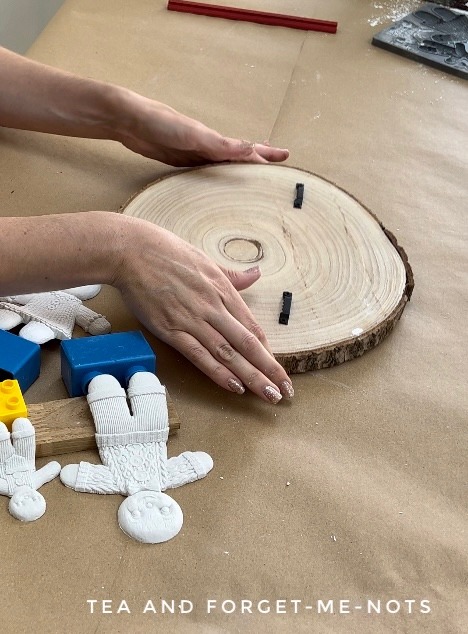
column 348, row 277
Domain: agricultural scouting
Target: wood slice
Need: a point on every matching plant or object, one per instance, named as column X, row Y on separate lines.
column 348, row 277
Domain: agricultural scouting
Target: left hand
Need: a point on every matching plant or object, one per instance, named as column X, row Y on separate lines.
column 160, row 132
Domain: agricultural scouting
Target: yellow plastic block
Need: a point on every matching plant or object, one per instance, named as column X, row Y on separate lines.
column 12, row 403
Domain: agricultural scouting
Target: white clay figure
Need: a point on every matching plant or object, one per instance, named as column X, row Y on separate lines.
column 52, row 315
column 133, row 449
column 18, row 476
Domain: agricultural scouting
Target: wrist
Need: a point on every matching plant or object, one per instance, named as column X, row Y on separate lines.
column 129, row 239
column 124, row 112
column 142, row 246
column 140, row 123
column 109, row 110
column 117, row 234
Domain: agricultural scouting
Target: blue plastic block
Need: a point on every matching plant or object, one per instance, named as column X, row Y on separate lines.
column 120, row 354
column 20, row 359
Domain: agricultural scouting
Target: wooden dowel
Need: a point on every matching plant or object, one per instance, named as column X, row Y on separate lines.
column 249, row 15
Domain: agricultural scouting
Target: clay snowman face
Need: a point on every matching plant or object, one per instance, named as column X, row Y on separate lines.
column 150, row 517
column 27, row 505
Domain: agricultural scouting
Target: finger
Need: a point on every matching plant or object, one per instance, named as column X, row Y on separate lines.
column 242, row 279
column 238, row 151
column 242, row 321
column 214, row 356
column 237, row 326
column 247, row 356
column 245, row 150
column 271, row 154
column 237, row 307
column 201, row 358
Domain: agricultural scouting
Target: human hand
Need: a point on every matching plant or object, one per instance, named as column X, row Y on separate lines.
column 192, row 304
column 160, row 132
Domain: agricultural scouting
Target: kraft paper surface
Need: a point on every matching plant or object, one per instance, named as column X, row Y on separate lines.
column 351, row 498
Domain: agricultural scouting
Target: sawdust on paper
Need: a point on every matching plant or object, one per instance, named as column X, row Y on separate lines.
column 391, row 10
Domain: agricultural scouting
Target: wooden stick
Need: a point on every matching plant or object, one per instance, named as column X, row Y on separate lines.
column 66, row 426
column 248, row 15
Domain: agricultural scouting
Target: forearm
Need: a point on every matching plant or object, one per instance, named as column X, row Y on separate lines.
column 43, row 253
column 44, row 99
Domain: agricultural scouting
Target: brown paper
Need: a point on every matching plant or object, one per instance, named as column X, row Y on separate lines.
column 356, row 490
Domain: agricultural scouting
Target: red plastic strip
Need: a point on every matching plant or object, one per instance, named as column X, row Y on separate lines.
column 248, row 15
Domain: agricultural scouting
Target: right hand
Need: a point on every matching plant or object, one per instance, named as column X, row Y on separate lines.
column 192, row 304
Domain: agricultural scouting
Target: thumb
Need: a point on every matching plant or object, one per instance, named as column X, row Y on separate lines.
column 242, row 279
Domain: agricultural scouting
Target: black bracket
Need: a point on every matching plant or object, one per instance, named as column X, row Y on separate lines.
column 284, row 315
column 299, row 195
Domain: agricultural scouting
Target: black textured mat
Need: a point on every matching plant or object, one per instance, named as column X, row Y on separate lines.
column 433, row 35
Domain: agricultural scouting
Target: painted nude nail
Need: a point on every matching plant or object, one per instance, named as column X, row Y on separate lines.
column 235, row 386
column 287, row 389
column 272, row 394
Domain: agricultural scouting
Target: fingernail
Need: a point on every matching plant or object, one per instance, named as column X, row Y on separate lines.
column 235, row 386
column 287, row 389
column 253, row 269
column 272, row 394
